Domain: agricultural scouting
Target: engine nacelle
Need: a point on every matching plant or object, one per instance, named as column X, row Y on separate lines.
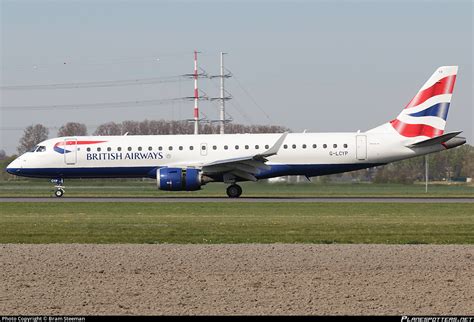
column 178, row 179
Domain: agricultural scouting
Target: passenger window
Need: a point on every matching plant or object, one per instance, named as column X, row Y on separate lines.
column 345, row 145
column 285, row 146
column 150, row 148
column 257, row 147
column 236, row 147
column 203, row 147
column 129, row 148
column 267, row 146
column 139, row 148
column 160, row 148
column 170, row 148
column 109, row 149
column 246, row 147
column 304, row 146
column 294, row 146
column 214, row 147
column 119, row 149
column 225, row 147
column 88, row 149
column 334, row 145
column 180, row 148
column 325, row 145
column 314, row 146
column 191, row 147
column 98, row 149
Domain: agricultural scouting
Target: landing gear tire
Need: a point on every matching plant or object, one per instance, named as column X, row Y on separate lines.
column 59, row 193
column 234, row 191
column 59, row 188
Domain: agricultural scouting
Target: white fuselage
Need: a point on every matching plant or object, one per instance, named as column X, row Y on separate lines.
column 309, row 154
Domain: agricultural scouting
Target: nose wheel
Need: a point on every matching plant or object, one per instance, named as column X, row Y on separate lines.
column 234, row 191
column 59, row 192
column 59, row 188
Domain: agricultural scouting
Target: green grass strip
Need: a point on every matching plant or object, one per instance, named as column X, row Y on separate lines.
column 214, row 223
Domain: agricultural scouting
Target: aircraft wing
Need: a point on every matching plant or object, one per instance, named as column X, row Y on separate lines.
column 243, row 167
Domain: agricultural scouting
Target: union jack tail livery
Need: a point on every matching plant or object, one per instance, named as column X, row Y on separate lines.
column 426, row 113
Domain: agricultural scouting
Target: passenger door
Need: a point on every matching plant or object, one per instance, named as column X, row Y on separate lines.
column 361, row 147
column 70, row 151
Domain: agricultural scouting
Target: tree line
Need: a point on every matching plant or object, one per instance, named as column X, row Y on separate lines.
column 451, row 164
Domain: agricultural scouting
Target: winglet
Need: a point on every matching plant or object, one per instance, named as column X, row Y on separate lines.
column 274, row 149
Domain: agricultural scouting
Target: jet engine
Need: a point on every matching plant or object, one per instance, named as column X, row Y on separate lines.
column 179, row 179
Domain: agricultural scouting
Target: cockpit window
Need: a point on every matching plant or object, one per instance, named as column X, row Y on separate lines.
column 33, row 149
column 41, row 148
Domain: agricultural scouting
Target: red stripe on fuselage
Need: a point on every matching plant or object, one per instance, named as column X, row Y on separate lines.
column 411, row 130
column 87, row 142
column 443, row 86
column 78, row 142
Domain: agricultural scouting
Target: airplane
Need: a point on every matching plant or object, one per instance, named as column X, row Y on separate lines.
column 188, row 162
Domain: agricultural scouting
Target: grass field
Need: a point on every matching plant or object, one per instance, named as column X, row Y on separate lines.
column 215, row 223
column 147, row 188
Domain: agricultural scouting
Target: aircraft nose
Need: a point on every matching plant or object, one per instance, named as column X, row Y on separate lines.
column 14, row 167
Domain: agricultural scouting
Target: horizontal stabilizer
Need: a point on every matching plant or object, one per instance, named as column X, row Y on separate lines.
column 436, row 140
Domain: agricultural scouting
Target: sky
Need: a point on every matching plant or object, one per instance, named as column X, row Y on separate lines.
column 320, row 66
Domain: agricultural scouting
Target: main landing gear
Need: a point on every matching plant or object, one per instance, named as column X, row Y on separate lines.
column 234, row 191
column 59, row 188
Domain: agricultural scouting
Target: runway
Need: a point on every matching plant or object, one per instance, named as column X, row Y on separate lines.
column 242, row 199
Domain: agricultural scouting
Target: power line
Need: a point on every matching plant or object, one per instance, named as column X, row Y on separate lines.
column 136, row 103
column 251, row 97
column 111, row 83
column 235, row 103
column 237, row 106
column 97, row 105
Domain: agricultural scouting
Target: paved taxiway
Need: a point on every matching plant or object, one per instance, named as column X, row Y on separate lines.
column 248, row 199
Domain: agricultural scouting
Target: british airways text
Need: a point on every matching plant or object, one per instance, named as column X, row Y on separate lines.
column 125, row 156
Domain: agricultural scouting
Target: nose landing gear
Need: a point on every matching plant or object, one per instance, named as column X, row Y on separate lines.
column 234, row 191
column 59, row 188
column 59, row 192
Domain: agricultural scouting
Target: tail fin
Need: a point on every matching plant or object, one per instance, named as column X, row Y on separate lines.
column 427, row 112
